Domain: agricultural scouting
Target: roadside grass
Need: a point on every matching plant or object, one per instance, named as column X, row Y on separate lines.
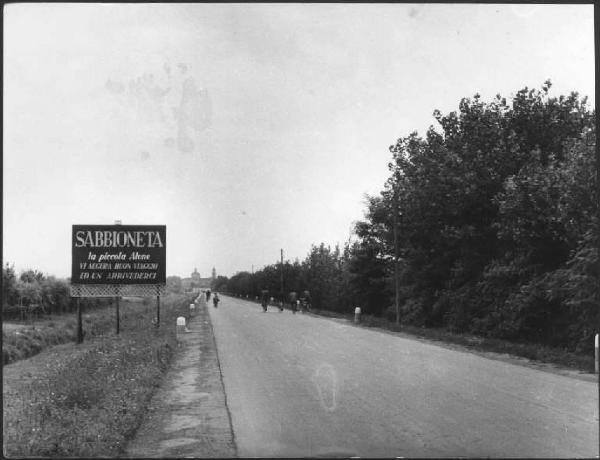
column 89, row 399
column 532, row 351
column 23, row 340
column 21, row 343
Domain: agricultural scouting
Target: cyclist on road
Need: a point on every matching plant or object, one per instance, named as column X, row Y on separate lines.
column 305, row 301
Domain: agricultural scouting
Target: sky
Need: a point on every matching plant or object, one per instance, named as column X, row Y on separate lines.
column 244, row 128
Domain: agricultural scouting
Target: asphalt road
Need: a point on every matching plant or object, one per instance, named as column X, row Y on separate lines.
column 299, row 385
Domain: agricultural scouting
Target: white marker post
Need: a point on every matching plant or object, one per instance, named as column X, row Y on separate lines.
column 596, row 355
column 181, row 324
column 357, row 315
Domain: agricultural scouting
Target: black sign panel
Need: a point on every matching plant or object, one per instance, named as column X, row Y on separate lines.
column 119, row 254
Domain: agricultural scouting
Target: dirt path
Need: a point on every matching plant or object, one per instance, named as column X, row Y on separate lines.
column 188, row 415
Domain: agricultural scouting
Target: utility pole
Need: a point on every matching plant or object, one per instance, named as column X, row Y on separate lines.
column 396, row 271
column 281, row 274
column 597, row 229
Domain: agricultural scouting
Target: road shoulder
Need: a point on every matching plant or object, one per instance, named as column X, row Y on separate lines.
column 188, row 416
column 504, row 357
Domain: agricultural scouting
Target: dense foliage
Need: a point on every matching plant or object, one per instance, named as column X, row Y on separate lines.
column 174, row 285
column 33, row 292
column 324, row 273
column 497, row 225
column 498, row 219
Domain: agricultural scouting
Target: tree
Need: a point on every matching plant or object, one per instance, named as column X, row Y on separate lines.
column 10, row 295
column 31, row 276
column 55, row 296
column 220, row 284
column 240, row 283
column 174, row 284
column 370, row 257
column 324, row 277
column 547, row 215
column 492, row 202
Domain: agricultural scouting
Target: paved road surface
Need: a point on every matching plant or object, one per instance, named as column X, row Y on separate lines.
column 299, row 385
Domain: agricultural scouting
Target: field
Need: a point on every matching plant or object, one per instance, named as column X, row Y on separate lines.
column 87, row 400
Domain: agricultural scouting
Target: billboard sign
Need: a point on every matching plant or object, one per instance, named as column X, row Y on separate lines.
column 119, row 254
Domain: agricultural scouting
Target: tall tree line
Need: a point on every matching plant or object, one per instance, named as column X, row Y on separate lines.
column 495, row 210
column 324, row 273
column 32, row 288
column 499, row 213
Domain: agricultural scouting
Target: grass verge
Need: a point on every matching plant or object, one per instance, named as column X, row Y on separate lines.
column 89, row 399
column 22, row 341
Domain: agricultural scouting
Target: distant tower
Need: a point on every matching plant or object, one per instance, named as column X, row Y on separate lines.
column 214, row 274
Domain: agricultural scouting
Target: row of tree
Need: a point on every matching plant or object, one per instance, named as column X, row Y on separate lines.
column 34, row 288
column 34, row 293
column 489, row 223
column 495, row 213
column 499, row 216
column 324, row 273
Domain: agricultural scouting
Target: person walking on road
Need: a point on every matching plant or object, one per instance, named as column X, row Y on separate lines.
column 216, row 300
column 294, row 301
column 264, row 299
